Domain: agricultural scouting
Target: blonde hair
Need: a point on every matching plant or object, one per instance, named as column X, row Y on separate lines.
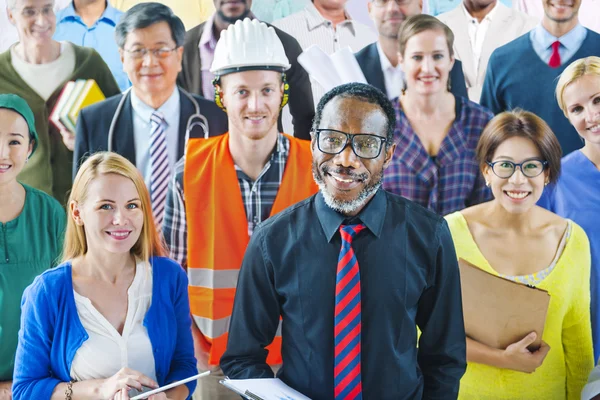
column 575, row 70
column 148, row 244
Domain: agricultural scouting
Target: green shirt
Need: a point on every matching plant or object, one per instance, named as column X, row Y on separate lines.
column 29, row 245
column 51, row 167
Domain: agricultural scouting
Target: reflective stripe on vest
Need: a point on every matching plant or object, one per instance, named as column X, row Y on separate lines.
column 213, row 278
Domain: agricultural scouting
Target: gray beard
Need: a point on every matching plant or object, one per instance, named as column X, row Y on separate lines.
column 349, row 206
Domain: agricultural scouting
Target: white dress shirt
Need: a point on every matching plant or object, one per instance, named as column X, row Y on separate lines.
column 393, row 77
column 477, row 31
column 309, row 27
column 142, row 127
column 8, row 32
column 106, row 351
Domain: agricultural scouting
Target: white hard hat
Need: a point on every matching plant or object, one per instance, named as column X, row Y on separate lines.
column 249, row 45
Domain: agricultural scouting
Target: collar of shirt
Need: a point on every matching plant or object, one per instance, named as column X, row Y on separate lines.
column 373, row 215
column 208, row 38
column 169, row 109
column 281, row 148
column 571, row 40
column 314, row 19
column 110, row 14
column 385, row 62
column 489, row 17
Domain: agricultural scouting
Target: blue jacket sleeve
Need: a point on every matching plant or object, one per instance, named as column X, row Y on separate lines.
column 33, row 377
column 183, row 364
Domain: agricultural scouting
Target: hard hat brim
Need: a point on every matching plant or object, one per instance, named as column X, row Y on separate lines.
column 246, row 67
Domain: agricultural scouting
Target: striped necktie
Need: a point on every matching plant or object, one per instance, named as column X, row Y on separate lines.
column 347, row 381
column 159, row 167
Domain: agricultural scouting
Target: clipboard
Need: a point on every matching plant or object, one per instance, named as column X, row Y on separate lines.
column 498, row 311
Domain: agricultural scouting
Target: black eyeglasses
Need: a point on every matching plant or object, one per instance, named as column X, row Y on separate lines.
column 530, row 168
column 364, row 145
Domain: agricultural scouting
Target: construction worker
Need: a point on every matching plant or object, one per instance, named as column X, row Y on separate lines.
column 225, row 186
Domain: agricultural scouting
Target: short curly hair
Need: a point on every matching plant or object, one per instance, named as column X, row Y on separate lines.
column 363, row 92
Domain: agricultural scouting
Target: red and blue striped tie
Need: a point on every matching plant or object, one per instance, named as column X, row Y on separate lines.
column 347, row 381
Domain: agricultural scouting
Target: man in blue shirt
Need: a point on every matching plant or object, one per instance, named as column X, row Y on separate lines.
column 523, row 73
column 349, row 316
column 91, row 23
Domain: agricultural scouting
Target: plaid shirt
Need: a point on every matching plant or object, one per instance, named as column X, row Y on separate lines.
column 258, row 197
column 449, row 182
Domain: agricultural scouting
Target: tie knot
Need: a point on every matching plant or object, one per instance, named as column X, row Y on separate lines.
column 556, row 45
column 157, row 118
column 349, row 231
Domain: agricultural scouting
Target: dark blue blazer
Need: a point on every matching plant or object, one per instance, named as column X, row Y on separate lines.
column 368, row 59
column 94, row 122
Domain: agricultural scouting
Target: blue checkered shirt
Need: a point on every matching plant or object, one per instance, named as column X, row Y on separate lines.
column 450, row 182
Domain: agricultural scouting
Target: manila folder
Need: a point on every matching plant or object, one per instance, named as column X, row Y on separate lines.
column 498, row 311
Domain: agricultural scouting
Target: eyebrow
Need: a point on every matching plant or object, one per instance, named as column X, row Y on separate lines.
column 112, row 201
column 156, row 43
column 16, row 134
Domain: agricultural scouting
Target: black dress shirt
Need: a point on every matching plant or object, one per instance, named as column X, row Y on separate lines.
column 409, row 278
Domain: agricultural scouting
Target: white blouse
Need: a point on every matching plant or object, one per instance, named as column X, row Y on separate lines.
column 106, row 351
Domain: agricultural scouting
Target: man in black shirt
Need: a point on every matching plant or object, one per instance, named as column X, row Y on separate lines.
column 350, row 315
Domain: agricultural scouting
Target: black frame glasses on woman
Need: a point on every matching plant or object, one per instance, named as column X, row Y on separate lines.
column 364, row 145
column 505, row 169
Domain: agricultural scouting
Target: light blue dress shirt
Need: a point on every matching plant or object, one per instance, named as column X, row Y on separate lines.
column 437, row 7
column 542, row 40
column 271, row 10
column 142, row 127
column 100, row 36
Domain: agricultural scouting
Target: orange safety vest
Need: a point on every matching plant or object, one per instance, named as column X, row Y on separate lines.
column 218, row 231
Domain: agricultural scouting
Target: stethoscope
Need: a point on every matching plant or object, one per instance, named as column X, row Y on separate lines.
column 200, row 120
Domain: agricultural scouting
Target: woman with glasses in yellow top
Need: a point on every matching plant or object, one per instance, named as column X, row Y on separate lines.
column 511, row 237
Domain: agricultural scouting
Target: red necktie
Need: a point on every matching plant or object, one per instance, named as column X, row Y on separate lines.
column 347, row 380
column 555, row 57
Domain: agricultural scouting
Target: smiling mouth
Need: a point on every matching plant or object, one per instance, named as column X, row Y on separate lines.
column 594, row 129
column 119, row 235
column 516, row 195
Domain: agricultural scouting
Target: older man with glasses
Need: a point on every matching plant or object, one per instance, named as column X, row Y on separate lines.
column 352, row 271
column 149, row 124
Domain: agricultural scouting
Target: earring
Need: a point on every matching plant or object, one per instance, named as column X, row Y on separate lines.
column 449, row 83
column 487, row 183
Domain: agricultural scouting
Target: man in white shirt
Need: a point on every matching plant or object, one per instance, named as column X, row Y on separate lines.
column 8, row 33
column 327, row 24
column 589, row 12
column 379, row 61
column 481, row 26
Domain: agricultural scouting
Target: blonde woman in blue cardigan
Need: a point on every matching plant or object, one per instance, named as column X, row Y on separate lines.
column 115, row 315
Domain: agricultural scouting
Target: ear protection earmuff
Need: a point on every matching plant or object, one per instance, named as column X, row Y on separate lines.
column 284, row 100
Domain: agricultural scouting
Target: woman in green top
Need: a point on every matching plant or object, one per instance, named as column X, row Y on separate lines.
column 37, row 68
column 31, row 227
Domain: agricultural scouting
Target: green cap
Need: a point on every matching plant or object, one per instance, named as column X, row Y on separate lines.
column 17, row 104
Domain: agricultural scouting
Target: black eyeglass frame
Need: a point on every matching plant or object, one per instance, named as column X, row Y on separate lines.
column 518, row 165
column 350, row 139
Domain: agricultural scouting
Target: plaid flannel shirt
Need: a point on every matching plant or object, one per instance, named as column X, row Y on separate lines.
column 258, row 197
column 452, row 180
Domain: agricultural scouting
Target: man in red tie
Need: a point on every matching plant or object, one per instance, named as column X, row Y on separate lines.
column 352, row 271
column 523, row 73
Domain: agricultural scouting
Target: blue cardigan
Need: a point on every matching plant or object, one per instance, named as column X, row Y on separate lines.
column 51, row 331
